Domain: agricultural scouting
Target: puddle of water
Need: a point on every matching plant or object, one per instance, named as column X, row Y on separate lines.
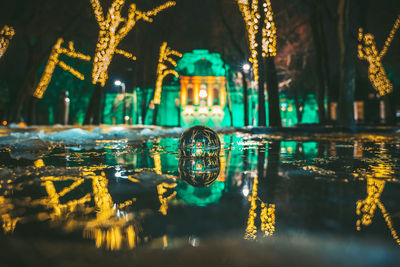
column 124, row 195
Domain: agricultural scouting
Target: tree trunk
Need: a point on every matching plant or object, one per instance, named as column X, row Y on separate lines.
column 262, row 121
column 31, row 119
column 326, row 69
column 93, row 114
column 25, row 90
column 155, row 113
column 317, row 38
column 348, row 51
column 299, row 107
column 228, row 95
column 274, row 111
column 269, row 180
column 390, row 112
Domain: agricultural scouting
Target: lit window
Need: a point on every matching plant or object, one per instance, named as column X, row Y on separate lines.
column 190, row 96
column 216, row 96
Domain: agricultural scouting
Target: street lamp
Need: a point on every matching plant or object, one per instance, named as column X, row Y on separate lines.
column 246, row 67
column 124, row 117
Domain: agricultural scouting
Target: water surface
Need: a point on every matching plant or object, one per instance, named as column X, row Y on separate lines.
column 123, row 195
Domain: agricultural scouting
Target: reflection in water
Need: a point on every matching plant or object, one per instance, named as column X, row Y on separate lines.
column 163, row 187
column 199, row 172
column 108, row 228
column 161, row 190
column 144, row 194
column 95, row 213
column 376, row 180
column 267, row 215
column 267, row 210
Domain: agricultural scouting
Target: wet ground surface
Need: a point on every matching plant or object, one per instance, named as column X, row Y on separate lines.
column 315, row 199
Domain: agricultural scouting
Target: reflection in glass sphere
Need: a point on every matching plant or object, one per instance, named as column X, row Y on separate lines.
column 199, row 172
column 199, row 141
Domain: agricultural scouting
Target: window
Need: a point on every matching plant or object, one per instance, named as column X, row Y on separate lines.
column 190, row 96
column 216, row 96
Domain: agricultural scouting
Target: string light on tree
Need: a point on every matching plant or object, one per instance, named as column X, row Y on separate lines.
column 114, row 28
column 163, row 70
column 54, row 61
column 251, row 16
column 6, row 34
column 164, row 60
column 367, row 50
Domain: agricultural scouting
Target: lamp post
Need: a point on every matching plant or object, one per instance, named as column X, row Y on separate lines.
column 124, row 117
column 245, row 71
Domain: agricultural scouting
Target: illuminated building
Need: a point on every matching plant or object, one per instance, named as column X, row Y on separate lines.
column 54, row 60
column 367, row 50
column 251, row 16
column 204, row 78
column 6, row 34
column 202, row 87
column 113, row 29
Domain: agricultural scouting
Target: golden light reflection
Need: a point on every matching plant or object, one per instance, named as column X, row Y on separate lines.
column 54, row 61
column 107, row 223
column 6, row 34
column 376, row 180
column 100, row 218
column 161, row 190
column 113, row 29
column 367, row 50
column 267, row 215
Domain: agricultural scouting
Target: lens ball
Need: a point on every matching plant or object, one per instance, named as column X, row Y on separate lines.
column 199, row 141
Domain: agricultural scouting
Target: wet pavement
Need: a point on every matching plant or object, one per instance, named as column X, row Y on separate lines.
column 277, row 199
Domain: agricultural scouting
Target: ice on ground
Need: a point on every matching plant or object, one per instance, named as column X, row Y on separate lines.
column 5, row 141
column 30, row 149
column 79, row 139
column 162, row 132
column 75, row 136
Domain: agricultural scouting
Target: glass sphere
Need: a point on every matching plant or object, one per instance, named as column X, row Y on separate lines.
column 199, row 141
column 199, row 172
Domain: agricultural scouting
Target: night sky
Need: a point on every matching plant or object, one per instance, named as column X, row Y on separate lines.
column 191, row 24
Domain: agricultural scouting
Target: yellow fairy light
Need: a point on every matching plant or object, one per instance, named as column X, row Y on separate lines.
column 162, row 69
column 251, row 16
column 54, row 61
column 6, row 34
column 367, row 50
column 269, row 31
column 267, row 215
column 114, row 28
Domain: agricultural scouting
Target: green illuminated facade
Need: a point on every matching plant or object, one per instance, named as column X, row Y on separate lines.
column 202, row 95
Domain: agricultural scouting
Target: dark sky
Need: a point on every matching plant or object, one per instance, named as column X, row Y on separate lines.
column 191, row 24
